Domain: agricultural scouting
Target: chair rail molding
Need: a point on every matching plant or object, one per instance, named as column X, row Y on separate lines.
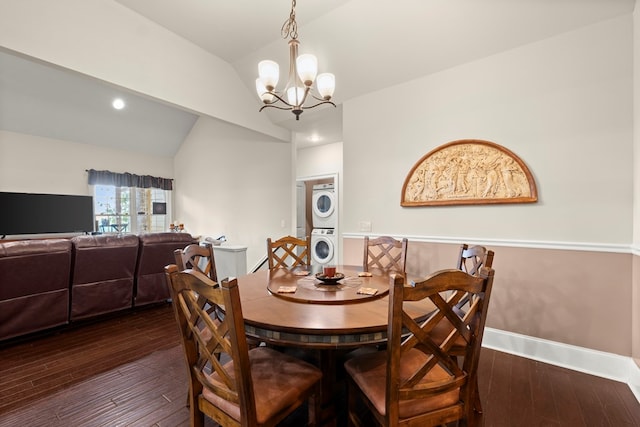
column 537, row 244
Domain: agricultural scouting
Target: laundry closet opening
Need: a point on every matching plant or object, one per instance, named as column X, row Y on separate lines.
column 317, row 216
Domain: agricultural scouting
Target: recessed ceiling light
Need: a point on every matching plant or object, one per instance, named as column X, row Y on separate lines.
column 118, row 104
column 314, row 138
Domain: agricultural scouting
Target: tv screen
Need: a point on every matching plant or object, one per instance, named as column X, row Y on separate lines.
column 30, row 213
column 159, row 208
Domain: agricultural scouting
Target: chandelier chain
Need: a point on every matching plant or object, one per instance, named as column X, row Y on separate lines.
column 290, row 27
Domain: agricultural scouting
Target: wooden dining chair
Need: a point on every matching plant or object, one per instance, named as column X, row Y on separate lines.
column 288, row 252
column 385, row 253
column 199, row 258
column 470, row 260
column 416, row 381
column 247, row 387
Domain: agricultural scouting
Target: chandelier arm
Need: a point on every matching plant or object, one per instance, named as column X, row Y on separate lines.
column 321, row 99
column 279, row 99
column 319, row 103
column 275, row 106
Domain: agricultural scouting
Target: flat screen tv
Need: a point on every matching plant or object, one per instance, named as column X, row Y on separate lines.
column 30, row 213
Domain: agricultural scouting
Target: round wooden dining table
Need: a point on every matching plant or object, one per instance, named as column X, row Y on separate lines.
column 294, row 308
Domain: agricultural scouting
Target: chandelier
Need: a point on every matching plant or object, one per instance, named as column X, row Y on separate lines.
column 302, row 73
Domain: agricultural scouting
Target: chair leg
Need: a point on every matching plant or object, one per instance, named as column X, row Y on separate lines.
column 353, row 419
column 197, row 416
column 315, row 410
column 477, row 404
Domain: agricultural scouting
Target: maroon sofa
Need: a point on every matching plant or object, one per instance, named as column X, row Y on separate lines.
column 34, row 285
column 102, row 279
column 52, row 282
column 156, row 251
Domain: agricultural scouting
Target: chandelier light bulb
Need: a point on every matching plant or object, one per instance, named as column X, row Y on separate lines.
column 307, row 65
column 263, row 93
column 269, row 72
column 294, row 95
column 326, row 84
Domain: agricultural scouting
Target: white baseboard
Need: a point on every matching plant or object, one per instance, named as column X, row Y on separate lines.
column 593, row 362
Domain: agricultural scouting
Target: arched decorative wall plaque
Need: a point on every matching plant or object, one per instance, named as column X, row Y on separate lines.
column 469, row 172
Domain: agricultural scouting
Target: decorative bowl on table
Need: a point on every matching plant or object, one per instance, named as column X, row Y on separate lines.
column 329, row 280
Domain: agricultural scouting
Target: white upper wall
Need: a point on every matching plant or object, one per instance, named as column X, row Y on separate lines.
column 319, row 160
column 563, row 105
column 32, row 164
column 235, row 182
column 106, row 40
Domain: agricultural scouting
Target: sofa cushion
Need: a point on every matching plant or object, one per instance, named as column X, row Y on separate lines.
column 34, row 285
column 154, row 253
column 103, row 274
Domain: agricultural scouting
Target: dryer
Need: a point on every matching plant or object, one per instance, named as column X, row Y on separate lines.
column 324, row 246
column 324, row 206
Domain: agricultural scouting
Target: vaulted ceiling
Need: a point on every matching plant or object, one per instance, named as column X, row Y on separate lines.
column 367, row 44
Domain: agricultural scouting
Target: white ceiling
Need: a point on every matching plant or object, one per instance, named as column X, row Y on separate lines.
column 39, row 99
column 367, row 44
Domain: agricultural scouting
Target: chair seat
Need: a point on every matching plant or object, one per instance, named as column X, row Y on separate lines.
column 369, row 373
column 278, row 379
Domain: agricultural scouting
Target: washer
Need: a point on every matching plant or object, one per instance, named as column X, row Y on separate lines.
column 323, row 203
column 324, row 246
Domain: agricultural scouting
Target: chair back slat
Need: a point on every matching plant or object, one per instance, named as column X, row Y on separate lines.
column 199, row 258
column 472, row 259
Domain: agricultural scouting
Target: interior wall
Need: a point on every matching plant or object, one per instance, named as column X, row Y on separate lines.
column 545, row 293
column 232, row 181
column 564, row 105
column 319, row 160
column 34, row 164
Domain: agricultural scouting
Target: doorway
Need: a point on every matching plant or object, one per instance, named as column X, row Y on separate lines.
column 304, row 207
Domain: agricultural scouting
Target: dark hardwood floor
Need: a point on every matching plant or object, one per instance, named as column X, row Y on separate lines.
column 128, row 370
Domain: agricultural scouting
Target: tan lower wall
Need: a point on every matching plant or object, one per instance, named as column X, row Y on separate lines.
column 574, row 297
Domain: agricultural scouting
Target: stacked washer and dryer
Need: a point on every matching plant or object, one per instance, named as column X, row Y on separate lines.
column 324, row 242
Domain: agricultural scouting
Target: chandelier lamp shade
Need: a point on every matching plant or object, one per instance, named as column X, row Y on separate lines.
column 303, row 73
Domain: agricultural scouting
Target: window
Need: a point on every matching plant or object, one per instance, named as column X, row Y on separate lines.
column 130, row 209
column 130, row 203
